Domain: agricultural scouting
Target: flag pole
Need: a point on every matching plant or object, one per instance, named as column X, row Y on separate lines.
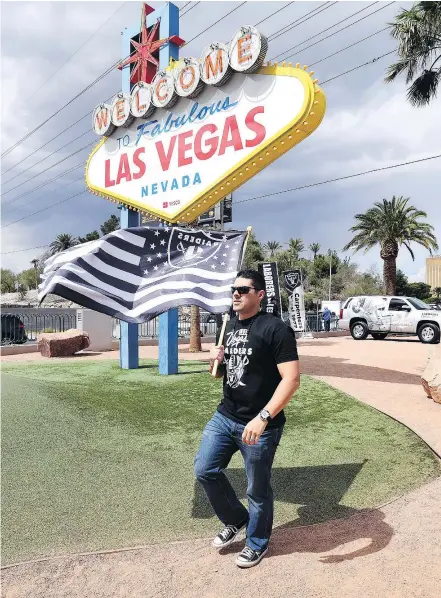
column 225, row 318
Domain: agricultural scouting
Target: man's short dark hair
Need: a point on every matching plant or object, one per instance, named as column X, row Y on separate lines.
column 255, row 276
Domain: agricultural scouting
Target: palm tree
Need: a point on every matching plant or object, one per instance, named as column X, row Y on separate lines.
column 295, row 247
column 272, row 247
column 62, row 242
column 35, row 263
column 195, row 330
column 437, row 291
column 391, row 224
column 315, row 248
column 418, row 32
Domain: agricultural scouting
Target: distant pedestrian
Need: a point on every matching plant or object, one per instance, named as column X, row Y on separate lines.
column 327, row 319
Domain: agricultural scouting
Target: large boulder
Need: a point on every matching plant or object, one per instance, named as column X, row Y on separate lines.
column 62, row 344
column 431, row 378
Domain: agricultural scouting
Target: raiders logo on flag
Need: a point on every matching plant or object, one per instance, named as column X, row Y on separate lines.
column 189, row 248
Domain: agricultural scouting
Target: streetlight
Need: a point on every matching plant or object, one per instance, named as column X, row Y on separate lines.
column 331, row 253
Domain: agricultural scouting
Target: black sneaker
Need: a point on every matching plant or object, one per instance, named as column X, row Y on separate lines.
column 249, row 557
column 228, row 535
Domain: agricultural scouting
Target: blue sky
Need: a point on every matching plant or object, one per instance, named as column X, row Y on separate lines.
column 368, row 124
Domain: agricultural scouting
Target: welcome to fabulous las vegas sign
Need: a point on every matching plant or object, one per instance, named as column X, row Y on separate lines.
column 175, row 147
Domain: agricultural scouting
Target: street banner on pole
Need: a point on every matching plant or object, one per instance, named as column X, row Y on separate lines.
column 272, row 303
column 294, row 286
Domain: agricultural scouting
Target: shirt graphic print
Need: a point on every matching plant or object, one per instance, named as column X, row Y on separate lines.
column 237, row 356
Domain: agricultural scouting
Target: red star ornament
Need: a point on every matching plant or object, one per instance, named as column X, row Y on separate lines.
column 145, row 50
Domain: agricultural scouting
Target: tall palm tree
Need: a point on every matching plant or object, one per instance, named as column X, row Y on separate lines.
column 437, row 291
column 391, row 224
column 62, row 242
column 35, row 263
column 418, row 32
column 295, row 247
column 315, row 248
column 272, row 247
column 195, row 329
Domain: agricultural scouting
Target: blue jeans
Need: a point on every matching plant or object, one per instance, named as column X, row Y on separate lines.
column 221, row 438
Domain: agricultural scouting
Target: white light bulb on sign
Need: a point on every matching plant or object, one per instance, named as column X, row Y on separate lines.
column 141, row 100
column 163, row 90
column 248, row 49
column 187, row 75
column 121, row 115
column 102, row 120
column 215, row 65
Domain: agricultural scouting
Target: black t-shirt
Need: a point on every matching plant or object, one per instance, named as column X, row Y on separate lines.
column 253, row 348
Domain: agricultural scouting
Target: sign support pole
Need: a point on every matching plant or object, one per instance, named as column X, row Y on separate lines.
column 168, row 322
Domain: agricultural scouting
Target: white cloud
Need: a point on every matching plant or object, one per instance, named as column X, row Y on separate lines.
column 420, row 276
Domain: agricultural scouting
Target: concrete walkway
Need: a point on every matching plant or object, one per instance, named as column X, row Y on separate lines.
column 390, row 552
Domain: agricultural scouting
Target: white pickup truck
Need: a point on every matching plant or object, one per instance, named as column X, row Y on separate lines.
column 382, row 315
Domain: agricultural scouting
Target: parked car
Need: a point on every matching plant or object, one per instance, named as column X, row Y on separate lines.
column 381, row 315
column 12, row 330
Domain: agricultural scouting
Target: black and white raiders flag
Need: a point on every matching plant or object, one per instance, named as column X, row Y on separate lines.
column 135, row 274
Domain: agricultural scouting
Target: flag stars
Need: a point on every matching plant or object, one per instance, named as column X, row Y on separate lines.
column 152, row 246
column 222, row 263
column 215, row 257
column 227, row 246
column 155, row 267
column 224, row 255
column 162, row 242
column 213, row 266
column 158, row 254
column 156, row 233
column 146, row 271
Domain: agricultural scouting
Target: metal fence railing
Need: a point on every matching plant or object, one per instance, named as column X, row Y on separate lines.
column 151, row 329
column 20, row 328
column 315, row 323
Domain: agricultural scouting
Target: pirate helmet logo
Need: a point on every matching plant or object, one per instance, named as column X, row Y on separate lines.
column 292, row 280
column 189, row 248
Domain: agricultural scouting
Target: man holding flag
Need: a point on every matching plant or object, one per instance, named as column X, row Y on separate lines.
column 260, row 368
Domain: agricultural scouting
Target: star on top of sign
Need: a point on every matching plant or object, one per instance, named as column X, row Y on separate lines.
column 145, row 48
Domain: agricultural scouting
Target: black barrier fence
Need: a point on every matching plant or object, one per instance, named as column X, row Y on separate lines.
column 151, row 329
column 19, row 328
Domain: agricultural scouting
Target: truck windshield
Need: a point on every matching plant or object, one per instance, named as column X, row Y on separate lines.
column 418, row 304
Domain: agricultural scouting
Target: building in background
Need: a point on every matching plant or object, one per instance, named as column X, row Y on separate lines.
column 433, row 271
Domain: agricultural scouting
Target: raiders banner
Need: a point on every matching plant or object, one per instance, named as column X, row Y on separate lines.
column 272, row 303
column 294, row 286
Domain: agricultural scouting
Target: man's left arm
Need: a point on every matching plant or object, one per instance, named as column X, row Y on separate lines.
column 290, row 382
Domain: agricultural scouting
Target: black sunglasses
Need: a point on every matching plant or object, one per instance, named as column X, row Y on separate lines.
column 243, row 290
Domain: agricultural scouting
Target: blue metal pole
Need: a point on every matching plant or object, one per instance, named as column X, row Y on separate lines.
column 168, row 322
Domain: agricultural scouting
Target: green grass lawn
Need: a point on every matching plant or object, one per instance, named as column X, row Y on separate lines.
column 95, row 457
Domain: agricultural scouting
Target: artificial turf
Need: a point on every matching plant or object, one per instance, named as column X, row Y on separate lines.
column 95, row 457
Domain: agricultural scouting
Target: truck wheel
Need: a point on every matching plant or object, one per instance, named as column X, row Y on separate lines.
column 428, row 333
column 379, row 336
column 359, row 331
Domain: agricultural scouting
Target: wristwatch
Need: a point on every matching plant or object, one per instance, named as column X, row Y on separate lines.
column 265, row 416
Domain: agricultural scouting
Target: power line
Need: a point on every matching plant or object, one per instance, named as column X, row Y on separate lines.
column 42, row 210
column 20, row 141
column 68, row 171
column 76, row 52
column 48, row 156
column 191, row 8
column 335, row 32
column 186, row 4
column 350, row 176
column 50, row 193
column 358, row 67
column 350, row 46
column 301, row 20
column 273, row 13
column 27, row 249
column 215, row 23
column 49, row 168
column 52, row 139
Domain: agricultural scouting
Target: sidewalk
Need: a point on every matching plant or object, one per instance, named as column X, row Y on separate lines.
column 391, row 552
